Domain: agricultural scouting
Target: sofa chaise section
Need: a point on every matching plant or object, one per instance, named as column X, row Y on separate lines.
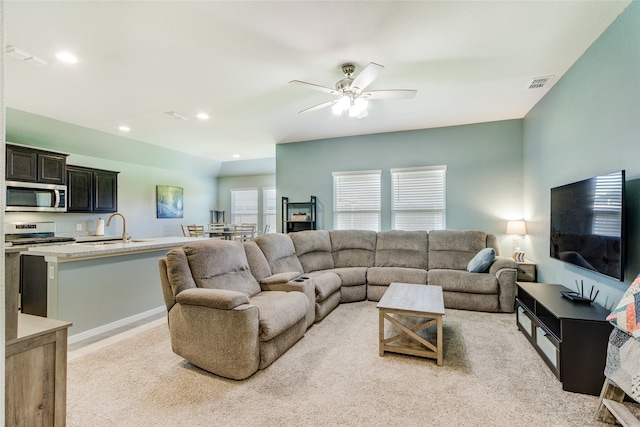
column 220, row 319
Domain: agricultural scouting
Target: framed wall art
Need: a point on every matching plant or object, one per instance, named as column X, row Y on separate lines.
column 169, row 201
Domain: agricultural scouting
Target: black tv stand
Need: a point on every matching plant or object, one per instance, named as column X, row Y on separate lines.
column 570, row 337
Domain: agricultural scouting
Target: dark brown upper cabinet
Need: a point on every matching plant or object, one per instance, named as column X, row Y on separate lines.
column 32, row 165
column 91, row 190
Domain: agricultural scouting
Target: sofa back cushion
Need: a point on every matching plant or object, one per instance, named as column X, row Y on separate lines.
column 220, row 264
column 313, row 248
column 353, row 248
column 257, row 262
column 279, row 251
column 397, row 248
column 453, row 249
column 178, row 271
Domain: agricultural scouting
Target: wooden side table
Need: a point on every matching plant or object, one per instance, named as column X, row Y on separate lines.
column 36, row 373
column 527, row 271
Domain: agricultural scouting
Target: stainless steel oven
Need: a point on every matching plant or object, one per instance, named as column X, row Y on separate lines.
column 32, row 293
column 35, row 197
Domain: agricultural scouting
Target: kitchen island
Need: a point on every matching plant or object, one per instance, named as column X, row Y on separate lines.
column 98, row 286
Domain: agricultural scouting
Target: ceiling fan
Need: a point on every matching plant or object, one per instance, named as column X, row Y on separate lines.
column 350, row 93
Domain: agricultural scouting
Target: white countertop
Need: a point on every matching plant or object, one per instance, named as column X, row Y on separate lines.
column 80, row 250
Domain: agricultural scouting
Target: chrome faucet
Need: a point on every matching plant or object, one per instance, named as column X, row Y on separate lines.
column 125, row 236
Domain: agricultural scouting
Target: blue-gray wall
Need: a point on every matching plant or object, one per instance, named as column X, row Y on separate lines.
column 484, row 170
column 588, row 124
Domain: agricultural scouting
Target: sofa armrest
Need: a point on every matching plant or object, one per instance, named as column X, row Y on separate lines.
column 279, row 278
column 506, row 272
column 215, row 298
column 500, row 263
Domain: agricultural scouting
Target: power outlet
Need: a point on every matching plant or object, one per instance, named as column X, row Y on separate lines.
column 79, row 227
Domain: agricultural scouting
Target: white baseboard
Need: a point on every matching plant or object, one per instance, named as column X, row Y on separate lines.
column 72, row 339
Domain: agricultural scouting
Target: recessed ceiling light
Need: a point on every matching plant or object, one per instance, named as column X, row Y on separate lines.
column 67, row 57
column 236, row 156
column 203, row 116
column 124, row 128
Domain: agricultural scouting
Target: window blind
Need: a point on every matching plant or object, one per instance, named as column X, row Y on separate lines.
column 244, row 206
column 356, row 200
column 269, row 208
column 418, row 198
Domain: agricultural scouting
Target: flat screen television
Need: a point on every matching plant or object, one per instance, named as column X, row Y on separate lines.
column 587, row 224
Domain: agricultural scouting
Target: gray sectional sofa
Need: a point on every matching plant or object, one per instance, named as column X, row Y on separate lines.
column 236, row 307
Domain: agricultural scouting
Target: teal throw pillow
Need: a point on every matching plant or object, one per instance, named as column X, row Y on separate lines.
column 482, row 261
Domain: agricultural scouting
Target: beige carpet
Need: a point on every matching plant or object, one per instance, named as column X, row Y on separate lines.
column 332, row 377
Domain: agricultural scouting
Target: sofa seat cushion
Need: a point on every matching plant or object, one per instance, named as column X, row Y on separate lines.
column 220, row 264
column 463, row 281
column 397, row 248
column 326, row 283
column 278, row 311
column 313, row 249
column 351, row 276
column 387, row 275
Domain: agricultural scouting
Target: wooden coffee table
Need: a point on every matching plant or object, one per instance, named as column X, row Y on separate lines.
column 411, row 309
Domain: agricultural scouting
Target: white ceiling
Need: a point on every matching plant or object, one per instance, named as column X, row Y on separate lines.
column 469, row 61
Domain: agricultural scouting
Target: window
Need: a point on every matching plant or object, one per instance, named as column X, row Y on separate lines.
column 356, row 200
column 418, row 198
column 269, row 209
column 244, row 206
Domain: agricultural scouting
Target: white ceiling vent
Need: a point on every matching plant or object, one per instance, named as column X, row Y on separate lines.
column 539, row 82
column 175, row 115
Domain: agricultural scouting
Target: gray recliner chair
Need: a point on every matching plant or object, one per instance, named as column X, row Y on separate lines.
column 220, row 319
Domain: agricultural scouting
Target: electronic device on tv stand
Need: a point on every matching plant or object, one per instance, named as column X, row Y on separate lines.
column 575, row 297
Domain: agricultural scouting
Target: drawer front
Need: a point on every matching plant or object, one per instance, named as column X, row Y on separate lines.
column 549, row 346
column 526, row 273
column 524, row 321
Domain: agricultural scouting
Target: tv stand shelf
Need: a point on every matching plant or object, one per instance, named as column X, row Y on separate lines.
column 570, row 337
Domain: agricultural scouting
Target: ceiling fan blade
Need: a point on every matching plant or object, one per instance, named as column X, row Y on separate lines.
column 389, row 94
column 366, row 76
column 315, row 87
column 320, row 106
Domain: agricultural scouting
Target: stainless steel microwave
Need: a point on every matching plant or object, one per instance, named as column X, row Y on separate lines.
column 35, row 197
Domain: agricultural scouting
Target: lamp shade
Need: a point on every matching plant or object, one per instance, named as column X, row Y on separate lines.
column 516, row 227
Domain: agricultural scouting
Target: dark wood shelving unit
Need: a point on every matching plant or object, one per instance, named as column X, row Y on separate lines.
column 298, row 216
column 570, row 337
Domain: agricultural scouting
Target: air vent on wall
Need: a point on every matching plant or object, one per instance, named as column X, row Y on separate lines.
column 539, row 82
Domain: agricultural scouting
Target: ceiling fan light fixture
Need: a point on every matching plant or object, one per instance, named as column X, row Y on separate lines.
column 343, row 104
column 358, row 107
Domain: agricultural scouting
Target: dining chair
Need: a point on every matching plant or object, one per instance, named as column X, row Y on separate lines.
column 245, row 232
column 216, row 230
column 185, row 230
column 196, row 230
